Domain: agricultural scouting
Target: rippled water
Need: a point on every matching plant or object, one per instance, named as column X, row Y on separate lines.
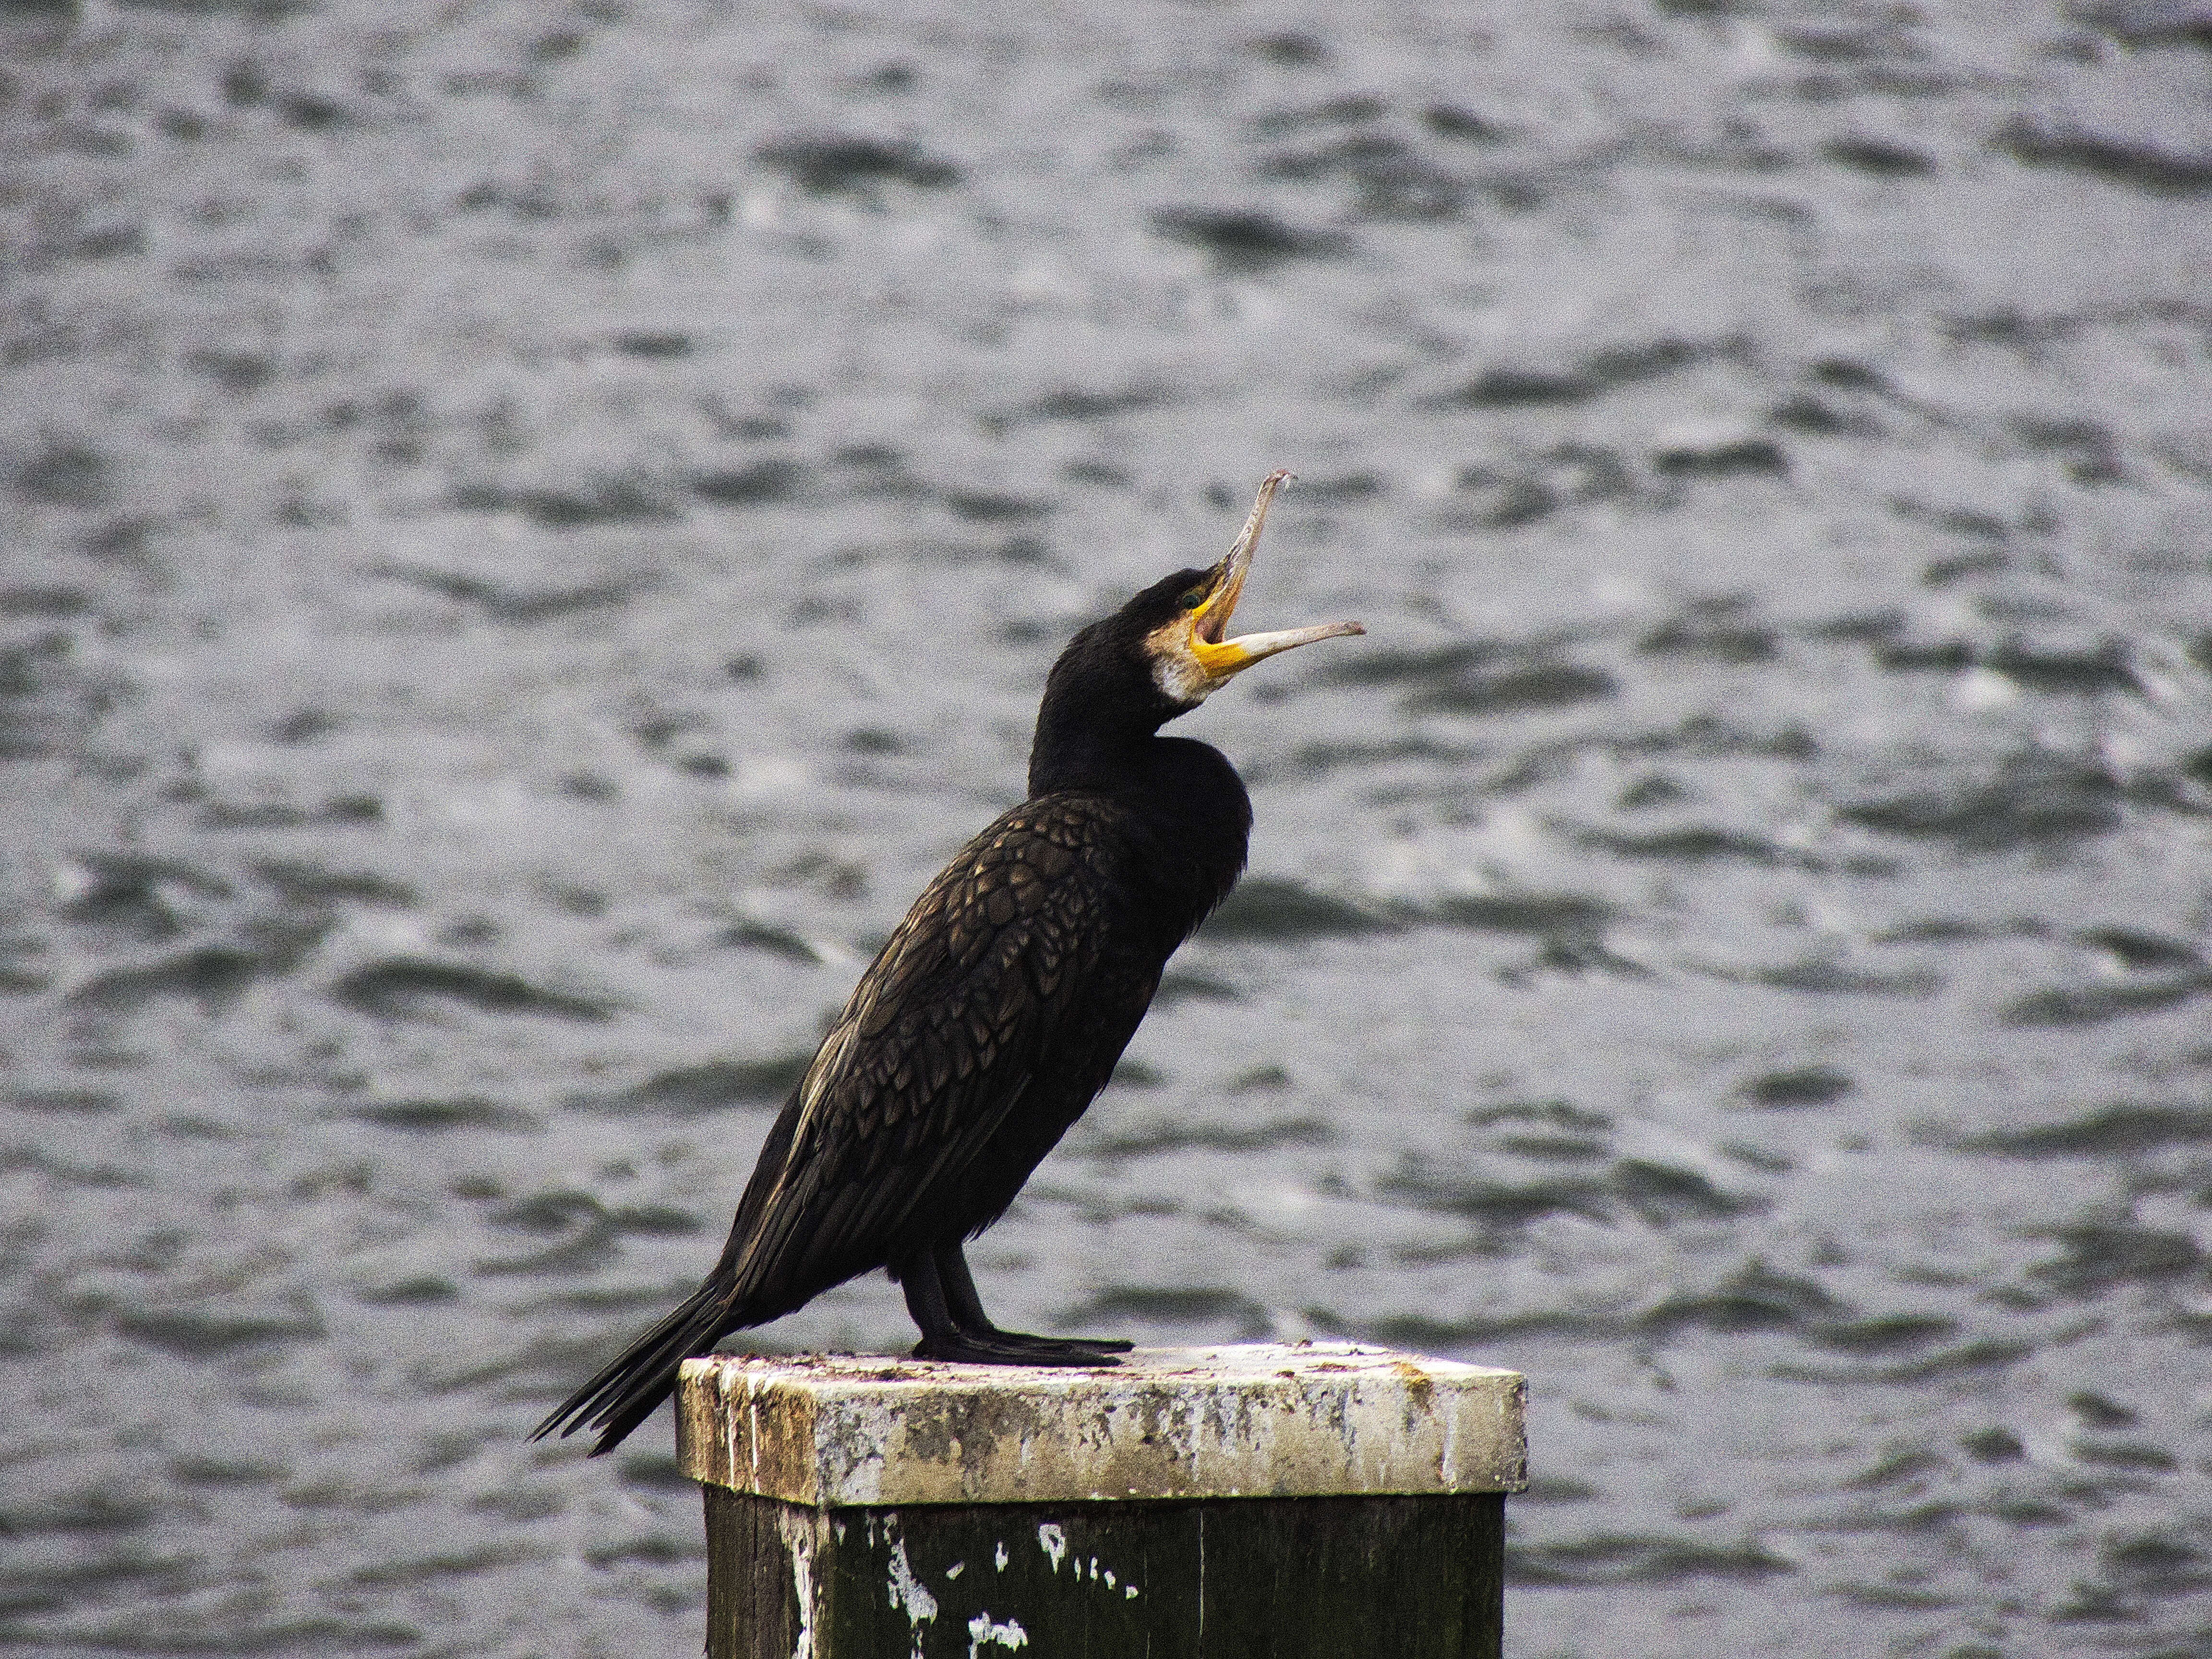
column 529, row 534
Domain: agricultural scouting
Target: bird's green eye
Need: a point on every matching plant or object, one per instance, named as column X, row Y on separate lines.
column 1195, row 598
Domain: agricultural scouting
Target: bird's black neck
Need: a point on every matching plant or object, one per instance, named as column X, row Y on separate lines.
column 1072, row 751
column 1183, row 806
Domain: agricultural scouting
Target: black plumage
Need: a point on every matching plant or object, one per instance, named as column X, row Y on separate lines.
column 996, row 1012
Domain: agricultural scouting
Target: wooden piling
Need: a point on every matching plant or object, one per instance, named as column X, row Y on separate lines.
column 1312, row 1499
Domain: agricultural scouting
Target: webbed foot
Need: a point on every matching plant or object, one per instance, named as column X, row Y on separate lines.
column 1011, row 1348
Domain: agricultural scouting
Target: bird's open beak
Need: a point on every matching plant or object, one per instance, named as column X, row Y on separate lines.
column 1217, row 656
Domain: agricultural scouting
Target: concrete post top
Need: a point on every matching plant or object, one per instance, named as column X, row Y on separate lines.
column 1253, row 1421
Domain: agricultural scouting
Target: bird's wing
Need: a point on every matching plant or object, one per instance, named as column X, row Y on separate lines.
column 939, row 1041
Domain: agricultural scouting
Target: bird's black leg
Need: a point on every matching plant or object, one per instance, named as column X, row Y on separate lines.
column 944, row 1335
column 967, row 1309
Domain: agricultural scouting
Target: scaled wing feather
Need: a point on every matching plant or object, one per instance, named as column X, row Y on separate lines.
column 939, row 1043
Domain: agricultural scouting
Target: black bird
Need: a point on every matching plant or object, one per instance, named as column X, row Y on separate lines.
column 996, row 1012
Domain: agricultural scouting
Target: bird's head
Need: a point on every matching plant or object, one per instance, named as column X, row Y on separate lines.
column 1187, row 639
column 1159, row 656
column 1176, row 631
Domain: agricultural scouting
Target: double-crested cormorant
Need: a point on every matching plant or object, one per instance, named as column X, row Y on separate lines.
column 996, row 1012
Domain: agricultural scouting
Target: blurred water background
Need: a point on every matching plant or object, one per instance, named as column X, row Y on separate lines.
column 530, row 531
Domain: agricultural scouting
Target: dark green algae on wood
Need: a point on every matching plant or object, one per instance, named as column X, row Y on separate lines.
column 1416, row 1578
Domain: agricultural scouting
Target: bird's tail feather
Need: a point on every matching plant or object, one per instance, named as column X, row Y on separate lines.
column 624, row 1393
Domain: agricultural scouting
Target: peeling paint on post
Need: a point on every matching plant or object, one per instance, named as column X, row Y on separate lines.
column 1314, row 1499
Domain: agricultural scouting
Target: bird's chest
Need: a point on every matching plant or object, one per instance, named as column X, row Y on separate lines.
column 1181, row 881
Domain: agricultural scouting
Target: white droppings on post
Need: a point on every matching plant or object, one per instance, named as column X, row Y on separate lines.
column 731, row 1418
column 1201, row 1580
column 752, row 1431
column 1318, row 1419
column 982, row 1633
column 799, row 1548
column 1053, row 1542
column 909, row 1594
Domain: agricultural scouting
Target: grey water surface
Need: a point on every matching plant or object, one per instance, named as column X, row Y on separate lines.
column 527, row 534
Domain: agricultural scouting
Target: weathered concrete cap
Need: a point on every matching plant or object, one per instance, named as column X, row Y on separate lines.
column 1259, row 1420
